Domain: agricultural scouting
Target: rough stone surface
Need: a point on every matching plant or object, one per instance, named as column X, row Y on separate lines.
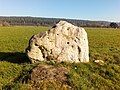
column 63, row 42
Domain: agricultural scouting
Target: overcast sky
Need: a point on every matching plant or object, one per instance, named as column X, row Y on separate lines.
column 107, row 10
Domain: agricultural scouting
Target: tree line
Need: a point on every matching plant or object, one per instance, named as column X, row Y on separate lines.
column 38, row 21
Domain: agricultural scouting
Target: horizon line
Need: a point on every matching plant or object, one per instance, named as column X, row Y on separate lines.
column 56, row 18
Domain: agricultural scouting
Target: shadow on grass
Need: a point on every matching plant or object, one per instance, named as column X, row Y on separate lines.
column 17, row 58
column 14, row 57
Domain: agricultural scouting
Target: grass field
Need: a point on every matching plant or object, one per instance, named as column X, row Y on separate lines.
column 104, row 45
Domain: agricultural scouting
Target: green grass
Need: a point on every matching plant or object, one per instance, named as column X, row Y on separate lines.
column 15, row 39
column 104, row 45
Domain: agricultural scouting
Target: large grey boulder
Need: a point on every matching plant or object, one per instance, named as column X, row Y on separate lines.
column 63, row 42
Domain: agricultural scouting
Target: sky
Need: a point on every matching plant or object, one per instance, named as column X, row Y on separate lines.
column 103, row 10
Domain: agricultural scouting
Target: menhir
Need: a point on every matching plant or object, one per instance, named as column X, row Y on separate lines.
column 63, row 42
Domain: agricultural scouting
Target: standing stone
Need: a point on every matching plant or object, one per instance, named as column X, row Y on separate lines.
column 63, row 42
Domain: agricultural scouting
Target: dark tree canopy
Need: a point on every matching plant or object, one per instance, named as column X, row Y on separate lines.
column 114, row 25
column 40, row 21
